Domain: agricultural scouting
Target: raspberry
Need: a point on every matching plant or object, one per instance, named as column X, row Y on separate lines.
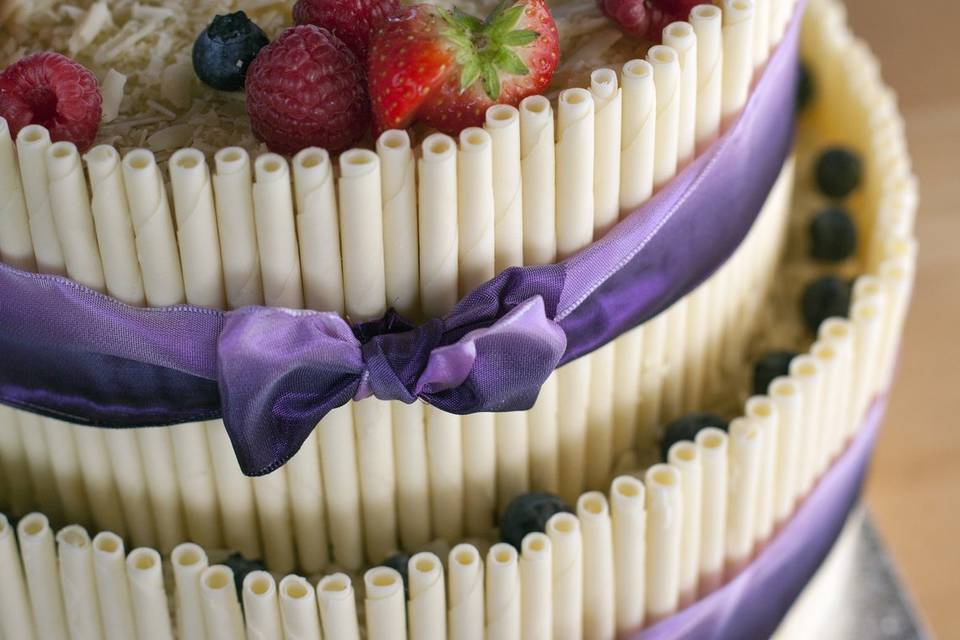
column 52, row 90
column 307, row 89
column 353, row 21
column 646, row 18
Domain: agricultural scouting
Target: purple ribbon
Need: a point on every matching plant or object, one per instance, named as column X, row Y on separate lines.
column 74, row 354
column 755, row 601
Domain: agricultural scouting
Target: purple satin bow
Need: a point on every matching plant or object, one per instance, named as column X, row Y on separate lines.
column 282, row 371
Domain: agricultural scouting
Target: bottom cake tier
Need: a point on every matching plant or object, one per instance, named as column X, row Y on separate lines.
column 647, row 539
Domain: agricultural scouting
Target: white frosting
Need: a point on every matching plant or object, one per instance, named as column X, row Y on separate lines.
column 150, row 609
column 77, row 581
column 32, row 144
column 338, row 611
column 16, row 247
column 189, row 563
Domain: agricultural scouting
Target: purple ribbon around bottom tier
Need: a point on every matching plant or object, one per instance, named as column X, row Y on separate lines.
column 272, row 374
column 754, row 603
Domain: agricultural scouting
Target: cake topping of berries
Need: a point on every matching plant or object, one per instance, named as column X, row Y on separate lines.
column 687, row 428
column 400, row 562
column 241, row 566
column 224, row 50
column 770, row 367
column 528, row 513
column 838, row 172
column 826, row 297
column 307, row 89
column 646, row 18
column 51, row 90
column 446, row 68
column 353, row 21
column 833, row 235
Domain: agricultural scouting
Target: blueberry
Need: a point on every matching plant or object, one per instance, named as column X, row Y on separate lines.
column 687, row 428
column 399, row 562
column 771, row 365
column 527, row 513
column 806, row 89
column 241, row 567
column 825, row 297
column 839, row 171
column 225, row 49
column 833, row 235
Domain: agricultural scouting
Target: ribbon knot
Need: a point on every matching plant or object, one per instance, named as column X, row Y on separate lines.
column 281, row 371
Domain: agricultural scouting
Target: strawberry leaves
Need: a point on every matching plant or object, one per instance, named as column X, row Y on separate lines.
column 485, row 48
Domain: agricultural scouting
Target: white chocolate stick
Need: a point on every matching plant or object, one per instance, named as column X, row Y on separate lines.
column 298, row 609
column 806, row 371
column 599, row 617
column 78, row 583
column 685, row 456
column 503, row 592
column 261, row 607
column 867, row 316
column 477, row 220
column 712, row 447
column 277, row 233
column 32, row 144
column 338, row 610
column 159, row 261
column 600, row 430
column 43, row 576
column 629, row 531
column 427, row 607
column 15, row 608
column 839, row 333
column 779, row 17
column 189, row 562
column 746, row 463
column 361, row 239
column 664, row 496
column 16, row 246
column 401, row 254
column 683, row 39
column 67, row 471
column 465, row 617
column 221, row 608
column 576, row 134
column 318, row 230
column 538, row 169
column 606, row 163
column 35, row 449
column 829, row 359
column 16, row 468
column 233, row 188
column 503, row 125
column 536, row 587
column 385, row 609
column 235, row 496
column 150, row 609
column 761, row 32
column 666, row 75
column 707, row 24
column 116, row 609
column 121, row 270
column 338, row 452
column 282, row 286
column 763, row 412
column 896, row 276
column 638, row 134
column 439, row 274
column 566, row 541
column 738, row 16
column 786, row 395
column 197, row 484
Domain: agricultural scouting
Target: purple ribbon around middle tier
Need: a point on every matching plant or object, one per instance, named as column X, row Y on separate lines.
column 272, row 374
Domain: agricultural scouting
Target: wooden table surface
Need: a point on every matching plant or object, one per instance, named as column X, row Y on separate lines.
column 914, row 486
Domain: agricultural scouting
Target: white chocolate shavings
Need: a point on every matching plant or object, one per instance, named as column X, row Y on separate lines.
column 140, row 50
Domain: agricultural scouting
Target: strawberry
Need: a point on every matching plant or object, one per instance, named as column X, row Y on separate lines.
column 446, row 68
column 353, row 21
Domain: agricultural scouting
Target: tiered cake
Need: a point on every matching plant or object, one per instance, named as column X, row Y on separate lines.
column 724, row 333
